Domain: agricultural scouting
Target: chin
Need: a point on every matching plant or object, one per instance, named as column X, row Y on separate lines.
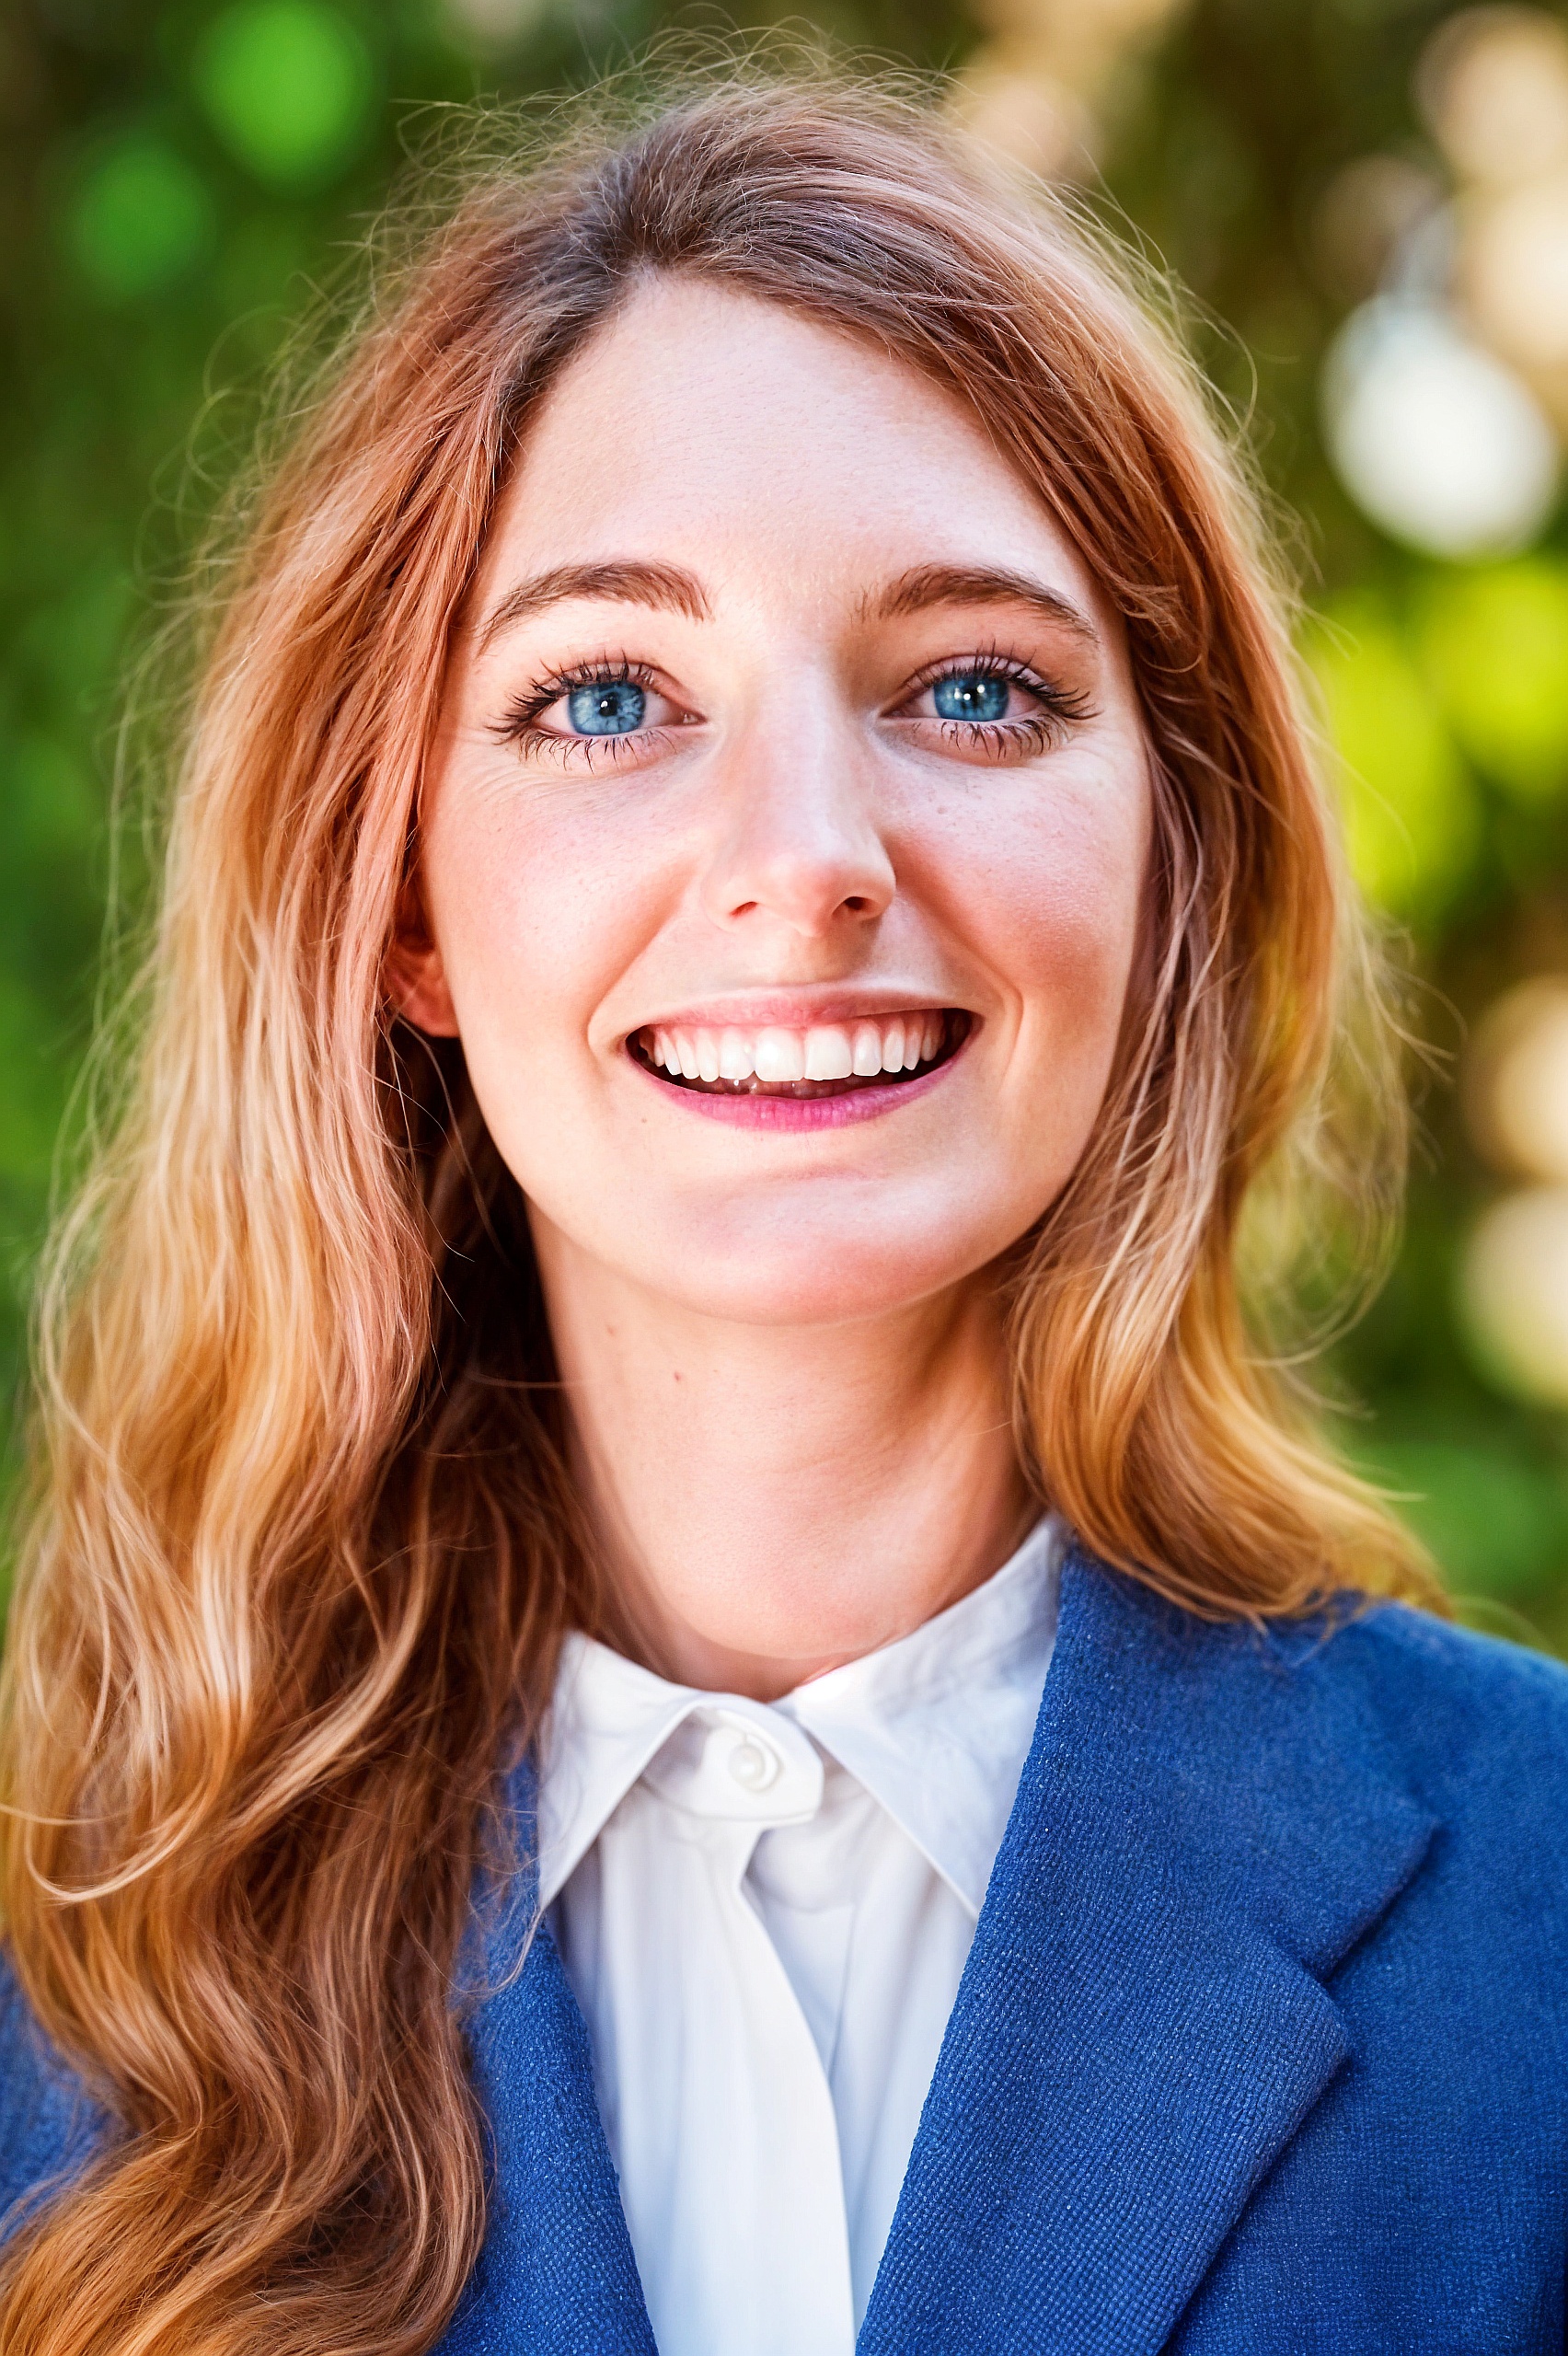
column 813, row 1280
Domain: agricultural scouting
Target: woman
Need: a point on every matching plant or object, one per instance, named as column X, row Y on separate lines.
column 680, row 1682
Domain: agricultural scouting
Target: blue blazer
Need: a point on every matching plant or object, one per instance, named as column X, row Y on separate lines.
column 1262, row 2046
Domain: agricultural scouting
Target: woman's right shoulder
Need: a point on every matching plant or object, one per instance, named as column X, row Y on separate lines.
column 49, row 2125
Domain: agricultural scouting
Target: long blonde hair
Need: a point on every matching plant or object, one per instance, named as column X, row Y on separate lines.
column 302, row 1544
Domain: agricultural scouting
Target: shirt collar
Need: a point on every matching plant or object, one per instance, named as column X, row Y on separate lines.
column 936, row 1725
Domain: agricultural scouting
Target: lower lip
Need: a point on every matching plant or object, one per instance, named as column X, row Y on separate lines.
column 795, row 1112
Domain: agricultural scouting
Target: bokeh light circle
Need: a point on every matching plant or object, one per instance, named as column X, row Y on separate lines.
column 1515, row 1081
column 1493, row 84
column 1513, row 1293
column 288, row 88
column 1435, row 439
column 1515, row 272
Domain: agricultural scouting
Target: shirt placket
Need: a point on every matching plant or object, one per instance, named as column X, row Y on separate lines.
column 776, row 2204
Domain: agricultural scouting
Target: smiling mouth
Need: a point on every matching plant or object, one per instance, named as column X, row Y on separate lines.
column 828, row 1059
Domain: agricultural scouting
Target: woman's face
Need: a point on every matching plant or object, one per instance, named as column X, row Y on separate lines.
column 784, row 851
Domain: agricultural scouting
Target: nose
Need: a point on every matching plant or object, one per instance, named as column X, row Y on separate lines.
column 798, row 842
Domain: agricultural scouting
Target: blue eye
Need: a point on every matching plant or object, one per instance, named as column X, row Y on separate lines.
column 970, row 695
column 608, row 707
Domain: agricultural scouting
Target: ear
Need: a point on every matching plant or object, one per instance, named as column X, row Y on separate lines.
column 413, row 975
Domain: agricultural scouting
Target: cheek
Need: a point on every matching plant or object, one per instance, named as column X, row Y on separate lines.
column 1048, row 891
column 537, row 907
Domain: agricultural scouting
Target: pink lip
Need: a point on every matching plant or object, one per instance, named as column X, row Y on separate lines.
column 796, row 1113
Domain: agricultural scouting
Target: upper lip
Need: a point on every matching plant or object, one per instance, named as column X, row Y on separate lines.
column 795, row 1009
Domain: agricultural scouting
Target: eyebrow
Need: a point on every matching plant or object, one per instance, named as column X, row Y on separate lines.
column 978, row 585
column 624, row 581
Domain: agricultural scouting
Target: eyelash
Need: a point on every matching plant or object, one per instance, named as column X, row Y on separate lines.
column 1035, row 732
column 519, row 723
column 1060, row 708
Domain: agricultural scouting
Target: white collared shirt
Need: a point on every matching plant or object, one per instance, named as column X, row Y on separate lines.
column 764, row 1912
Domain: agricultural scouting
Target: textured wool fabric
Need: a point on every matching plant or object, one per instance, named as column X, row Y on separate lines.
column 1263, row 2044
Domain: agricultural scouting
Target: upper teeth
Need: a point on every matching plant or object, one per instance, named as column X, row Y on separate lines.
column 825, row 1051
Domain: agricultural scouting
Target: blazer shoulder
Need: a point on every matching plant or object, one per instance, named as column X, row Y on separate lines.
column 1474, row 1717
column 49, row 2125
column 1416, row 1650
column 1322, row 1765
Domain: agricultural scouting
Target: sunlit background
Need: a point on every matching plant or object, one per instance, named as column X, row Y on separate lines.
column 1369, row 201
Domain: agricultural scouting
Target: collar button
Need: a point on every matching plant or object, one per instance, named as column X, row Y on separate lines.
column 754, row 1763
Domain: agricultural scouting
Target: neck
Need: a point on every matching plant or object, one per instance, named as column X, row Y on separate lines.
column 771, row 1501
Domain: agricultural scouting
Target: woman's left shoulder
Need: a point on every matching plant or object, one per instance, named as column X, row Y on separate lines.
column 1487, row 1687
column 1476, row 1725
column 1321, row 1722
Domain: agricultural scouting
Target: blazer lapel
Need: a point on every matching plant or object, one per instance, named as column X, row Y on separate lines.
column 1203, row 1827
column 557, row 2271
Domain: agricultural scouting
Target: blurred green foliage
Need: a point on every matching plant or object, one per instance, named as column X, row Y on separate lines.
column 173, row 173
column 1412, row 813
column 288, row 88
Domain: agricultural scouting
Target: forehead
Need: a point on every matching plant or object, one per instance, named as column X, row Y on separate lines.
column 714, row 429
